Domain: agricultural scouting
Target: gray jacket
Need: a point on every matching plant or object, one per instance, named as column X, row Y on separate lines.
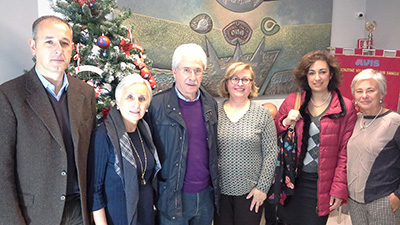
column 33, row 160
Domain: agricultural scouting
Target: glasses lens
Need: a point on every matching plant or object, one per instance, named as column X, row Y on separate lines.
column 236, row 80
column 198, row 72
column 188, row 71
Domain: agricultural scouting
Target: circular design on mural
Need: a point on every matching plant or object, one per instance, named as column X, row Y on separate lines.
column 269, row 26
column 202, row 23
column 240, row 5
column 237, row 32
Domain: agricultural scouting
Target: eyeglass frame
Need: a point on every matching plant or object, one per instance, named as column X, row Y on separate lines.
column 188, row 71
column 236, row 80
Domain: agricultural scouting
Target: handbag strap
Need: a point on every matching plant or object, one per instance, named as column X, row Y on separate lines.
column 296, row 107
column 298, row 99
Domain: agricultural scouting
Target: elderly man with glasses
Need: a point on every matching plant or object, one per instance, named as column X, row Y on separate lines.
column 183, row 120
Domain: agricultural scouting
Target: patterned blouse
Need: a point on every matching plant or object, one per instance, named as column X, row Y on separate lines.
column 247, row 151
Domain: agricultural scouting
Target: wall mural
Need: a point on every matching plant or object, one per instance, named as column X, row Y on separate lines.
column 270, row 35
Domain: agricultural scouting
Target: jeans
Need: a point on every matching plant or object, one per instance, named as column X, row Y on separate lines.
column 198, row 209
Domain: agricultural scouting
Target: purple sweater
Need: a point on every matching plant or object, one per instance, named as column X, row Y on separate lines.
column 197, row 176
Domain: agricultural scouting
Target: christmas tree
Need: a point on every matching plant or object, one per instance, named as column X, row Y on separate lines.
column 105, row 50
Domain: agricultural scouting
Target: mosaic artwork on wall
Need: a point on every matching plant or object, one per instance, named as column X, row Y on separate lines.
column 269, row 35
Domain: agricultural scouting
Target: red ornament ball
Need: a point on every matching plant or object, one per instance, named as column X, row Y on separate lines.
column 88, row 2
column 103, row 42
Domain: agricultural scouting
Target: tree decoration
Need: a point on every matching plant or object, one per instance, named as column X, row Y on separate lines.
column 101, row 57
column 103, row 42
column 104, row 53
column 126, row 46
column 152, row 82
column 144, row 71
column 88, row 2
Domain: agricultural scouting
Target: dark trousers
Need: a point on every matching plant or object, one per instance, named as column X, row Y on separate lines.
column 72, row 214
column 270, row 212
column 302, row 207
column 235, row 210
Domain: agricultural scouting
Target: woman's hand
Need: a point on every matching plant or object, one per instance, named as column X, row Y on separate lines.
column 394, row 202
column 99, row 217
column 334, row 202
column 258, row 199
column 292, row 117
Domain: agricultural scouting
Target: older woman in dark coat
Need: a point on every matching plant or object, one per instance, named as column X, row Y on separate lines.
column 123, row 162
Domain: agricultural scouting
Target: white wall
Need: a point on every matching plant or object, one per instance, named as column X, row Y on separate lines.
column 387, row 14
column 44, row 8
column 346, row 28
column 16, row 19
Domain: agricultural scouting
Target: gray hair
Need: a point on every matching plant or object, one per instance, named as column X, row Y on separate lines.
column 49, row 17
column 370, row 74
column 128, row 81
column 188, row 50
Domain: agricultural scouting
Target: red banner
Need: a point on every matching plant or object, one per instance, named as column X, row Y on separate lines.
column 352, row 64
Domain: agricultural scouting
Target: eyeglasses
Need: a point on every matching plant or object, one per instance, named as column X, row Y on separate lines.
column 187, row 71
column 235, row 80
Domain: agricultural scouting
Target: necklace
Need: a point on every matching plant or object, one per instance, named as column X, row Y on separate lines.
column 143, row 181
column 317, row 106
column 362, row 117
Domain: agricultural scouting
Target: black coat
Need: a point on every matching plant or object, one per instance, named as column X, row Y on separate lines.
column 169, row 134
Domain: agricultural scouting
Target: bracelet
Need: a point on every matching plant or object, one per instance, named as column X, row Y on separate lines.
column 283, row 122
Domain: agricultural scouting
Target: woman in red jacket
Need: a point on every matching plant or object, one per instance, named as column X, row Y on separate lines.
column 325, row 123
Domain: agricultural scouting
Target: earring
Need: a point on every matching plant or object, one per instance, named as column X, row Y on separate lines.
column 147, row 110
column 380, row 101
column 355, row 103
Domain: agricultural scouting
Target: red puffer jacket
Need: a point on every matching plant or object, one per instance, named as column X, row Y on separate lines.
column 336, row 128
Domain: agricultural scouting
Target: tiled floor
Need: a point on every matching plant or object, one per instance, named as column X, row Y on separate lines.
column 334, row 219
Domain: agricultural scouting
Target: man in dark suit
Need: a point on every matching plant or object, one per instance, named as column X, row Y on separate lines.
column 46, row 119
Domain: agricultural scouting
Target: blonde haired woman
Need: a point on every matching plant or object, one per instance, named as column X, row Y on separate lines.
column 247, row 149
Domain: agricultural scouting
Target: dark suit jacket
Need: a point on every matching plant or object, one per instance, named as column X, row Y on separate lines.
column 33, row 160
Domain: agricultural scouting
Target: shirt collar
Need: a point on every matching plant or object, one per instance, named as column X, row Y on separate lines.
column 186, row 99
column 51, row 87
